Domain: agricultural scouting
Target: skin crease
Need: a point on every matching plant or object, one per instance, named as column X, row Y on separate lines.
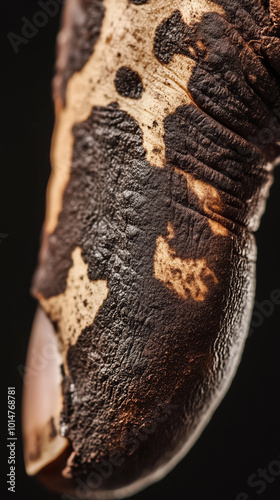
column 147, row 265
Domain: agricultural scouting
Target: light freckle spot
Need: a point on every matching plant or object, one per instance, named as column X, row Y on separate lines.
column 186, row 277
column 209, row 198
column 192, row 51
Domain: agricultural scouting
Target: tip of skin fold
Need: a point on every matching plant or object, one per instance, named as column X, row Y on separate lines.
column 42, row 398
column 53, row 451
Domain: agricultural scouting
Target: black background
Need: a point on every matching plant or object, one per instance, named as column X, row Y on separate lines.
column 244, row 433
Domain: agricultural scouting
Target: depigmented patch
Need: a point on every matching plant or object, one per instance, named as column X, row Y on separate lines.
column 185, row 277
column 126, row 39
column 209, row 198
column 77, row 307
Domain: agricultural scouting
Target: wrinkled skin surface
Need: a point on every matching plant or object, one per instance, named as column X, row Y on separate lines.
column 168, row 159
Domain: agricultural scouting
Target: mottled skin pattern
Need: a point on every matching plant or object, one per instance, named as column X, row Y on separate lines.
column 82, row 20
column 148, row 345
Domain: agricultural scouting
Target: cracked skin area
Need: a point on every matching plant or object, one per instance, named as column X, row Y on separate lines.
column 183, row 168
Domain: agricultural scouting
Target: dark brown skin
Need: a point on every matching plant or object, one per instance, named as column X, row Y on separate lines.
column 152, row 355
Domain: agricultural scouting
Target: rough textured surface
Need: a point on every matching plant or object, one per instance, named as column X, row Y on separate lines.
column 126, row 39
column 128, row 83
column 173, row 244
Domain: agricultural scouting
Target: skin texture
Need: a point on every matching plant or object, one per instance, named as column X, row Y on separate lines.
column 166, row 135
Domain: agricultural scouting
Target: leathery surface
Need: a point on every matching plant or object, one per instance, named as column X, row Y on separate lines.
column 166, row 135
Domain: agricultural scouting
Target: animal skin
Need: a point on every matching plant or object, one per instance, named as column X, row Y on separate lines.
column 167, row 131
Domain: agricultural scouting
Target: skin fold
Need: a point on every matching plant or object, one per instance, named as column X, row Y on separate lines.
column 167, row 132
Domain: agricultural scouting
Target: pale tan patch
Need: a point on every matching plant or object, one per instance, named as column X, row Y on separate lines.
column 209, row 198
column 126, row 39
column 186, row 277
column 50, row 449
column 77, row 307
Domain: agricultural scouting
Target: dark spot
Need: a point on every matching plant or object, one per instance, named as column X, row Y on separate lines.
column 62, row 371
column 53, row 431
column 85, row 302
column 155, row 123
column 138, row 2
column 169, row 37
column 55, row 325
column 128, row 83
